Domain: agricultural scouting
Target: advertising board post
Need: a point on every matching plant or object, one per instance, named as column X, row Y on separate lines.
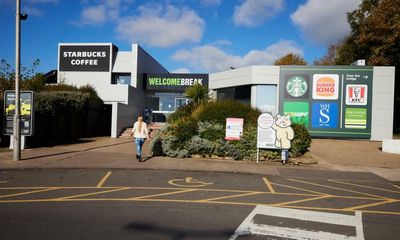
column 274, row 133
column 26, row 123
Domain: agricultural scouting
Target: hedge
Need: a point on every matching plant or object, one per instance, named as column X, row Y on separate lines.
column 201, row 131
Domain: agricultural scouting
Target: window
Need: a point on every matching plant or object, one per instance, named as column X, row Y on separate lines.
column 240, row 93
column 266, row 98
column 121, row 78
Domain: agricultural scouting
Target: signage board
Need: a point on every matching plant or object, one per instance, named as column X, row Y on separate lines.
column 330, row 101
column 26, row 113
column 266, row 136
column 234, row 128
column 84, row 58
column 175, row 81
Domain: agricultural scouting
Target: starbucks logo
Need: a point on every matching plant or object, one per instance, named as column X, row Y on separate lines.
column 296, row 86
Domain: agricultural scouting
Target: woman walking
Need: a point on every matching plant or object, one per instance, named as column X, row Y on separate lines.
column 140, row 133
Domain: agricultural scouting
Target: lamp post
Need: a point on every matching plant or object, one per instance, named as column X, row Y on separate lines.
column 17, row 120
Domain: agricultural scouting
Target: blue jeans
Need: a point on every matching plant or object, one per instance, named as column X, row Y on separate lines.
column 139, row 143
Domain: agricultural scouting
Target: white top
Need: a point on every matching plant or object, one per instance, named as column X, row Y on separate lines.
column 144, row 133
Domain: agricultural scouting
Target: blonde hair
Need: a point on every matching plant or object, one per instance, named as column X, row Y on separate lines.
column 140, row 121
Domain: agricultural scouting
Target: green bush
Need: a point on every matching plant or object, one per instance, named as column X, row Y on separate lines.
column 301, row 141
column 91, row 90
column 201, row 131
column 198, row 145
column 57, row 102
column 184, row 129
column 218, row 111
column 211, row 130
column 182, row 112
column 60, row 88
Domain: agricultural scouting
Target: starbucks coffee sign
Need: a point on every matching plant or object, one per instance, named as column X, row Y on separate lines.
column 296, row 86
column 84, row 58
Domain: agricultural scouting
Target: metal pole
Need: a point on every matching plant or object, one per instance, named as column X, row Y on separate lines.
column 17, row 130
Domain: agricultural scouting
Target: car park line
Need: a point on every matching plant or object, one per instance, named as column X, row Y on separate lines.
column 103, row 180
column 358, row 185
column 336, row 188
column 30, row 192
column 269, row 185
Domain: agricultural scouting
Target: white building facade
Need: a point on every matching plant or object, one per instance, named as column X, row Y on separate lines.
column 334, row 101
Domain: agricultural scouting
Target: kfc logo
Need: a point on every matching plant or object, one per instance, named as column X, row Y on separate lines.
column 356, row 94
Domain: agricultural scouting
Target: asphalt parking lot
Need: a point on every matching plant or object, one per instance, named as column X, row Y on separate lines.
column 235, row 196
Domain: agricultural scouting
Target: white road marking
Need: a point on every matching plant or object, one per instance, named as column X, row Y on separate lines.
column 249, row 227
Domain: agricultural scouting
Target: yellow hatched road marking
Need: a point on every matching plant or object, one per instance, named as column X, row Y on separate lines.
column 231, row 196
column 301, row 189
column 358, row 185
column 373, row 204
column 103, row 180
column 195, row 201
column 336, row 188
column 271, row 189
column 164, row 194
column 92, row 194
column 302, row 200
column 30, row 192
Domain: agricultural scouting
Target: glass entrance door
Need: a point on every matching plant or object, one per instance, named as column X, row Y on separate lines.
column 179, row 101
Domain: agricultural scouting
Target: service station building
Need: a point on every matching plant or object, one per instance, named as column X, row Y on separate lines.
column 331, row 101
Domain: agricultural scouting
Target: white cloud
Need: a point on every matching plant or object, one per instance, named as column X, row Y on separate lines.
column 252, row 13
column 32, row 11
column 107, row 10
column 161, row 26
column 210, row 2
column 212, row 59
column 180, row 70
column 324, row 22
column 93, row 15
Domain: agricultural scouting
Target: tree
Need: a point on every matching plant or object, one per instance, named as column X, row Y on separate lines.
column 290, row 59
column 375, row 37
column 198, row 93
column 329, row 57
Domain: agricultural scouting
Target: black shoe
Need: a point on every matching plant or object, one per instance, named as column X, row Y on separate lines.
column 140, row 158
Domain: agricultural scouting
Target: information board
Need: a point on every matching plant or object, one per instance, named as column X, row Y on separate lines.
column 328, row 100
column 234, row 128
column 26, row 113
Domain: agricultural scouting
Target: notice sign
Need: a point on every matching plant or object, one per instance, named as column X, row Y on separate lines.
column 356, row 118
column 265, row 134
column 83, row 58
column 26, row 113
column 234, row 128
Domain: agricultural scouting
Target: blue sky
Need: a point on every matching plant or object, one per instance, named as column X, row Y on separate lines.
column 183, row 35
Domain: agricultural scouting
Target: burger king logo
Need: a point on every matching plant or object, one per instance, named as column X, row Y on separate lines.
column 325, row 86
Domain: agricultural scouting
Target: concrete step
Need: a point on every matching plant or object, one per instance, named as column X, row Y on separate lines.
column 154, row 128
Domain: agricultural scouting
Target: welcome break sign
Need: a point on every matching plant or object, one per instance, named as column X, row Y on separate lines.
column 330, row 101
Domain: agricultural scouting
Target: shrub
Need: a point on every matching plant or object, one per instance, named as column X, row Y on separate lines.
column 181, row 112
column 218, row 111
column 211, row 130
column 156, row 146
column 301, row 141
column 60, row 88
column 221, row 148
column 57, row 102
column 91, row 90
column 198, row 145
column 183, row 129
